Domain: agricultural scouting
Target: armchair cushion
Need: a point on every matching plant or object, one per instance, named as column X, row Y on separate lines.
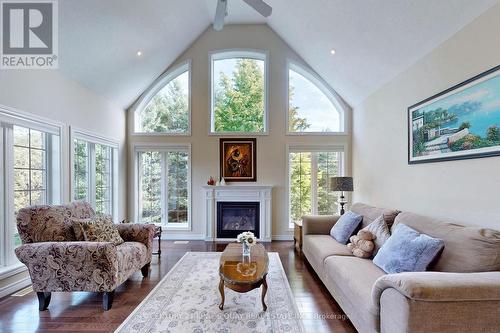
column 99, row 229
column 70, row 266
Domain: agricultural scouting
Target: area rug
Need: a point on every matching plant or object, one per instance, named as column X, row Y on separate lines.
column 187, row 300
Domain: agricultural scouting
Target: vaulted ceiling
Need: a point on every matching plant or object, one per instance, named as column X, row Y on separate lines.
column 374, row 40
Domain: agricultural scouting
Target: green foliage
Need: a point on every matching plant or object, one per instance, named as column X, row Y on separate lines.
column 464, row 125
column 493, row 133
column 168, row 110
column 239, row 99
column 295, row 123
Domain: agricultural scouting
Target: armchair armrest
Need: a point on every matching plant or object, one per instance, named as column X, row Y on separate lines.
column 70, row 266
column 440, row 286
column 137, row 232
column 318, row 224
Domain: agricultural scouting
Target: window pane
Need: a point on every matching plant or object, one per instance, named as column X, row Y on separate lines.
column 238, row 93
column 81, row 163
column 21, row 200
column 37, row 139
column 177, row 187
column 37, row 159
column 102, row 173
column 168, row 110
column 300, row 185
column 21, row 157
column 150, row 183
column 310, row 110
column 38, row 197
column 21, row 136
column 37, row 180
column 327, row 167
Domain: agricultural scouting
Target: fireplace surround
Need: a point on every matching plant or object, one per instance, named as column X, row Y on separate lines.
column 241, row 195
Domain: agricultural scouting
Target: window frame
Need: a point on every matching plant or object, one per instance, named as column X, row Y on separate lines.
column 157, row 85
column 325, row 88
column 312, row 148
column 92, row 140
column 139, row 147
column 256, row 54
column 10, row 117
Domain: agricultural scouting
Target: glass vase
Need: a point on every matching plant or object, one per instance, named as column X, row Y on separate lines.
column 246, row 249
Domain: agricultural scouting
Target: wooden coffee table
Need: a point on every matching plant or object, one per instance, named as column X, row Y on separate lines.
column 243, row 274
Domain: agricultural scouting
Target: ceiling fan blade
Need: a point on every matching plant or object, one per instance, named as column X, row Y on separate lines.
column 220, row 14
column 263, row 8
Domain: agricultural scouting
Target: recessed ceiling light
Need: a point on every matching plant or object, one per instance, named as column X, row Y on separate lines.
column 139, row 53
column 332, row 51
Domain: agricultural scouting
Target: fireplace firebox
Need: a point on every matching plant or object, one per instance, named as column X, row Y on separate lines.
column 235, row 217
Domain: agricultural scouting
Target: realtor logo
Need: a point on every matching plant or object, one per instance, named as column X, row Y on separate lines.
column 29, row 35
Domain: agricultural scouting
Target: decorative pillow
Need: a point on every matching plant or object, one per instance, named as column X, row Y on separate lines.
column 345, row 227
column 381, row 232
column 407, row 250
column 99, row 229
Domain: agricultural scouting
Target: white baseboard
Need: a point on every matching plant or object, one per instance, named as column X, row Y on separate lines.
column 15, row 286
column 176, row 236
column 282, row 237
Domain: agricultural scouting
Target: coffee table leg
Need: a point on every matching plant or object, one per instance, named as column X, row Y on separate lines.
column 221, row 289
column 264, row 291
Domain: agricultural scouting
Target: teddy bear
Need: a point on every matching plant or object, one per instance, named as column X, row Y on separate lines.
column 362, row 244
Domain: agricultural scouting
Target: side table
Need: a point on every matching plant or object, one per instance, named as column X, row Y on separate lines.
column 158, row 234
column 297, row 235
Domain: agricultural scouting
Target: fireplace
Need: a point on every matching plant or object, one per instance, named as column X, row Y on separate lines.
column 235, row 217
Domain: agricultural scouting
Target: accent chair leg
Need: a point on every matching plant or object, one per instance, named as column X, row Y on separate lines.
column 145, row 270
column 43, row 300
column 107, row 300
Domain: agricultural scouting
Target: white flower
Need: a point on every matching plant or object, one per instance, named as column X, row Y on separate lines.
column 247, row 237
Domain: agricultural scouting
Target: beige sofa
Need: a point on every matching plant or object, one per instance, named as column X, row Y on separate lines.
column 459, row 293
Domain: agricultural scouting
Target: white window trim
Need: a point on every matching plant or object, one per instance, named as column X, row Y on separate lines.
column 291, row 148
column 161, row 147
column 238, row 53
column 153, row 89
column 94, row 139
column 325, row 88
column 8, row 118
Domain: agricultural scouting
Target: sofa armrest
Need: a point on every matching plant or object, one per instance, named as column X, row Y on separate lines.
column 440, row 286
column 138, row 232
column 70, row 266
column 318, row 224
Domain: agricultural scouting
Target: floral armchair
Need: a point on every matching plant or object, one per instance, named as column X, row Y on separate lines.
column 58, row 261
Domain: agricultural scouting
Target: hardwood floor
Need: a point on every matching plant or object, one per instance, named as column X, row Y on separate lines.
column 82, row 312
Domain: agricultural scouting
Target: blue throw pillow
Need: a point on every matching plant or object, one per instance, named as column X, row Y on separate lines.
column 345, row 227
column 407, row 250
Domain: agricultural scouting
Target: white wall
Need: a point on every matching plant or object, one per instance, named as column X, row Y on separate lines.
column 467, row 190
column 271, row 149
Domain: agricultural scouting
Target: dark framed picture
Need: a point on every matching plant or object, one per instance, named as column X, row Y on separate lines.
column 238, row 160
column 459, row 123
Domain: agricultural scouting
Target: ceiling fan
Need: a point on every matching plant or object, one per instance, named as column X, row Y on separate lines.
column 220, row 13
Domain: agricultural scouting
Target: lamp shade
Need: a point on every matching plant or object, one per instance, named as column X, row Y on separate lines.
column 341, row 184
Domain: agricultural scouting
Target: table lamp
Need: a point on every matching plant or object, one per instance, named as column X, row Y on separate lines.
column 341, row 184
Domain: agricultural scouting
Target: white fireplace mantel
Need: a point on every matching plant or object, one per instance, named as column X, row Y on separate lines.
column 248, row 193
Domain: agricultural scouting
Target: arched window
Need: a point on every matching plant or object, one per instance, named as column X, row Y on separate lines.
column 165, row 108
column 238, row 92
column 312, row 106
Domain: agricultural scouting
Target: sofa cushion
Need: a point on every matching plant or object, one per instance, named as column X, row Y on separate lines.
column 345, row 227
column 466, row 248
column 381, row 232
column 319, row 247
column 99, row 229
column 356, row 276
column 131, row 257
column 46, row 223
column 407, row 250
column 371, row 213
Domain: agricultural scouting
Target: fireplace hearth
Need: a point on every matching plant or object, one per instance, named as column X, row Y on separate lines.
column 234, row 218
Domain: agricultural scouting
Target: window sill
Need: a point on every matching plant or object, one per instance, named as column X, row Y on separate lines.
column 159, row 134
column 229, row 134
column 181, row 227
column 11, row 270
column 317, row 133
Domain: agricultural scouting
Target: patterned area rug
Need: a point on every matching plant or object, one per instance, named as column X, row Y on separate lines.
column 187, row 300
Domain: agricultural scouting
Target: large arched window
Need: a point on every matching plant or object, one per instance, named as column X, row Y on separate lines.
column 312, row 106
column 238, row 92
column 165, row 107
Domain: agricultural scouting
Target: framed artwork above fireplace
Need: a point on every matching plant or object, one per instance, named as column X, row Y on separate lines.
column 238, row 160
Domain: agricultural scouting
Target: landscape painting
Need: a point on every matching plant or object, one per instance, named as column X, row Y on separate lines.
column 461, row 122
